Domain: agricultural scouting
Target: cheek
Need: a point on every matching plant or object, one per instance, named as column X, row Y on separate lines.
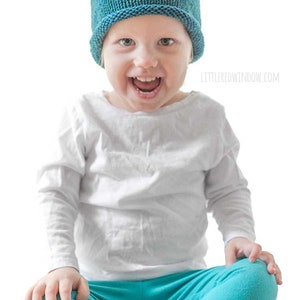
column 177, row 71
column 116, row 63
column 116, row 75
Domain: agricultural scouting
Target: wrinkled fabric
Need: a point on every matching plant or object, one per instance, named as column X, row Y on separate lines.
column 126, row 195
column 241, row 281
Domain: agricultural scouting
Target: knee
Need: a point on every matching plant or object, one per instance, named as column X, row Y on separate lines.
column 256, row 278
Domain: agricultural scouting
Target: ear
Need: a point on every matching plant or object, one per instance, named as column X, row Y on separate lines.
column 102, row 65
column 192, row 56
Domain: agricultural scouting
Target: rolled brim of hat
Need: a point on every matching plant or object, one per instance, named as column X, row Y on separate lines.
column 191, row 24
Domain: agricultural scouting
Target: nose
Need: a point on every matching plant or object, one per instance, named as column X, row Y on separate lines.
column 145, row 58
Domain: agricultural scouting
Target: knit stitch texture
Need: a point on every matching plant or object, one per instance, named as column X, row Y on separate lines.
column 105, row 13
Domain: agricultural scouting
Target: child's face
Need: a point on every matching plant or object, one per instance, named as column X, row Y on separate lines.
column 146, row 60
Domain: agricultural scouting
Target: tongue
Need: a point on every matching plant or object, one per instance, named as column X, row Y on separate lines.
column 146, row 86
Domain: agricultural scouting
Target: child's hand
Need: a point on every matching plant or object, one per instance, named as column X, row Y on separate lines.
column 61, row 281
column 241, row 247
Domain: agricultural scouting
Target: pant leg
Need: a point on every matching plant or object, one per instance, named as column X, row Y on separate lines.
column 241, row 281
column 179, row 286
column 244, row 281
column 116, row 290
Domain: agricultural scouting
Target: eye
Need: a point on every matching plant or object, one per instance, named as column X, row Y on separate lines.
column 126, row 42
column 166, row 42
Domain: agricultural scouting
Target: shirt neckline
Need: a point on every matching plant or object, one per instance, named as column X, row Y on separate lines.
column 163, row 110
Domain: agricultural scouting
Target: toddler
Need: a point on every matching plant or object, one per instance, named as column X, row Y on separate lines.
column 136, row 169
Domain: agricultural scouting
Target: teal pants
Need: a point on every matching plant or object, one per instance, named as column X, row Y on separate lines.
column 241, row 281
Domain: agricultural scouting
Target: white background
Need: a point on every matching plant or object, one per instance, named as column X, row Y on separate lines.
column 45, row 62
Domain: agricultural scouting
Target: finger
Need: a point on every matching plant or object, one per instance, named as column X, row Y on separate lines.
column 65, row 289
column 51, row 291
column 268, row 258
column 230, row 256
column 37, row 292
column 278, row 277
column 255, row 252
column 83, row 290
column 28, row 295
column 275, row 270
column 272, row 267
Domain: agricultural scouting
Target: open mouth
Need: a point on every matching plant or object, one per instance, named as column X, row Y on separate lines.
column 146, row 85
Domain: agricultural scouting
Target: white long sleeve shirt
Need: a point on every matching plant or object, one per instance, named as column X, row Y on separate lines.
column 126, row 195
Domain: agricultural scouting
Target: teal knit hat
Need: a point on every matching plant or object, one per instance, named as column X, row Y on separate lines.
column 105, row 13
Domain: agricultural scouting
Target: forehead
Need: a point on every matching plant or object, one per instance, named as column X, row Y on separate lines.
column 152, row 24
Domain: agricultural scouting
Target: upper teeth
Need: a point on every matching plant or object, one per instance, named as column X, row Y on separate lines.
column 146, row 79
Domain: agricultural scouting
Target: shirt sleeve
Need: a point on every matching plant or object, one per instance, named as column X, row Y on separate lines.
column 58, row 190
column 227, row 193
